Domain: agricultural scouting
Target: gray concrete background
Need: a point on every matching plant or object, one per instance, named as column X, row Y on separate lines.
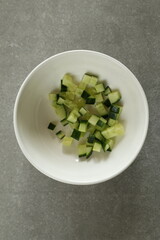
column 32, row 206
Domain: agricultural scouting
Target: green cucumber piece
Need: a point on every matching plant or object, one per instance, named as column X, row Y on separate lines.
column 99, row 88
column 83, row 126
column 67, row 141
column 107, row 91
column 60, row 134
column 64, row 122
column 108, row 145
column 63, row 87
column 116, row 130
column 61, row 111
column 85, row 94
column 112, row 115
column 88, row 151
column 101, row 122
column 114, row 96
column 107, row 103
column 76, row 134
column 99, row 98
column 74, row 125
column 86, row 78
column 68, row 82
column 51, row 126
column 93, row 120
column 52, row 96
column 91, row 138
column 98, row 135
column 111, row 122
column 60, row 101
column 93, row 81
column 81, row 150
column 90, row 100
column 97, row 147
column 102, row 110
column 82, row 111
column 70, row 95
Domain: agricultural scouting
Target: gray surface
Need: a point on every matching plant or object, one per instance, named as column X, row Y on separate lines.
column 32, row 206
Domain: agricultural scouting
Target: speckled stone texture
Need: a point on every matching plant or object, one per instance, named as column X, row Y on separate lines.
column 34, row 207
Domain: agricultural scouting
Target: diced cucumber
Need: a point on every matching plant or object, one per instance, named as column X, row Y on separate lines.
column 85, row 94
column 111, row 144
column 74, row 125
column 69, row 104
column 105, row 116
column 116, row 108
column 60, row 134
column 60, row 101
column 63, row 87
column 89, row 144
column 97, row 147
column 61, row 112
column 76, row 134
column 98, row 135
column 74, row 114
column 54, row 104
column 90, row 79
column 78, row 92
column 86, row 116
column 116, row 130
column 64, row 122
column 114, row 96
column 112, row 115
column 51, row 126
column 72, row 118
column 107, row 91
column 80, row 102
column 93, row 81
column 52, row 96
column 101, row 128
column 62, row 94
column 105, row 145
column 67, row 141
column 91, row 138
column 82, row 85
column 90, row 100
column 68, row 82
column 108, row 145
column 86, row 78
column 111, row 122
column 82, row 150
column 82, row 134
column 70, row 95
column 102, row 110
column 107, row 103
column 88, row 151
column 91, row 91
column 99, row 98
column 83, row 126
column 101, row 122
column 99, row 88
column 91, row 129
column 93, row 120
column 67, row 79
column 82, row 111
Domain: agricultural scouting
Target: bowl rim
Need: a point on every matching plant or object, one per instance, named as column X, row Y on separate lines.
column 27, row 155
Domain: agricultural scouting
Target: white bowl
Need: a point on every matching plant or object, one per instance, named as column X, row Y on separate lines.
column 32, row 113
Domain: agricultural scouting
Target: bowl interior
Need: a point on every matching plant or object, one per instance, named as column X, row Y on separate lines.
column 33, row 113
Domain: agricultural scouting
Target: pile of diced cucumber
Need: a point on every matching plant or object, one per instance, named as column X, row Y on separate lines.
column 91, row 110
